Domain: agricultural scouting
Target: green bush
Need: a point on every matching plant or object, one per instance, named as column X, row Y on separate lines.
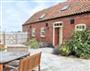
column 64, row 50
column 79, row 45
column 33, row 43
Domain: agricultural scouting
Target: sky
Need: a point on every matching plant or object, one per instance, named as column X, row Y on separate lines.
column 13, row 13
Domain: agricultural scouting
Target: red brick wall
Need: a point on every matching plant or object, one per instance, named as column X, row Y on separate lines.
column 67, row 27
column 48, row 35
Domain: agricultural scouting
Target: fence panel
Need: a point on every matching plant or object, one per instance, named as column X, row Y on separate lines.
column 13, row 38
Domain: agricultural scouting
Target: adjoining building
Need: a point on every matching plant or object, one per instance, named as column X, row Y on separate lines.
column 56, row 24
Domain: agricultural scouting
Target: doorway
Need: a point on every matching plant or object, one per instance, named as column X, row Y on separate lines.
column 57, row 33
column 56, row 36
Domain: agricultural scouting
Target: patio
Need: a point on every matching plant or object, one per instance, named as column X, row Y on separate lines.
column 51, row 62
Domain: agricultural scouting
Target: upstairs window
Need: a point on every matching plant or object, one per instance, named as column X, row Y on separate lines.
column 72, row 21
column 46, row 24
column 80, row 27
column 33, row 32
column 42, row 32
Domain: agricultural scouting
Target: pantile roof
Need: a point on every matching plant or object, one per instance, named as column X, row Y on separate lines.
column 71, row 7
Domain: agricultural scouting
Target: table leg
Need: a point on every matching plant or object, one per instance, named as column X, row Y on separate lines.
column 1, row 67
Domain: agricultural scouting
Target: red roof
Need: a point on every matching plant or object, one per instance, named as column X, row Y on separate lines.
column 71, row 7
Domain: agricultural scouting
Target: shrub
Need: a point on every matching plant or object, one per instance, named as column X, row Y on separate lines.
column 33, row 43
column 79, row 45
column 64, row 50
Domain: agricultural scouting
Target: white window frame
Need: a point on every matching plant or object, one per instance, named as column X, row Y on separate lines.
column 80, row 27
column 33, row 32
column 42, row 30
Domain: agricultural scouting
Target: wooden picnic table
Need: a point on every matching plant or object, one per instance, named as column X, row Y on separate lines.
column 6, row 57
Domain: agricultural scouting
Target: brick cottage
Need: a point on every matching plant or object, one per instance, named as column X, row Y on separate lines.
column 56, row 24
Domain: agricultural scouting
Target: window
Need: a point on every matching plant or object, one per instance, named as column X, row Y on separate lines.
column 80, row 27
column 33, row 32
column 72, row 21
column 42, row 32
column 42, row 16
column 64, row 8
column 46, row 24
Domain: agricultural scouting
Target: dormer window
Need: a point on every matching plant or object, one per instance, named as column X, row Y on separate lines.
column 64, row 8
column 42, row 16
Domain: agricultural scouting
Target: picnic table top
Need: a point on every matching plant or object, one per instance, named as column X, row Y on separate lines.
column 6, row 57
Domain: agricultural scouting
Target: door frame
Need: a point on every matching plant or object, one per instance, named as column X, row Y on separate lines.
column 60, row 26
